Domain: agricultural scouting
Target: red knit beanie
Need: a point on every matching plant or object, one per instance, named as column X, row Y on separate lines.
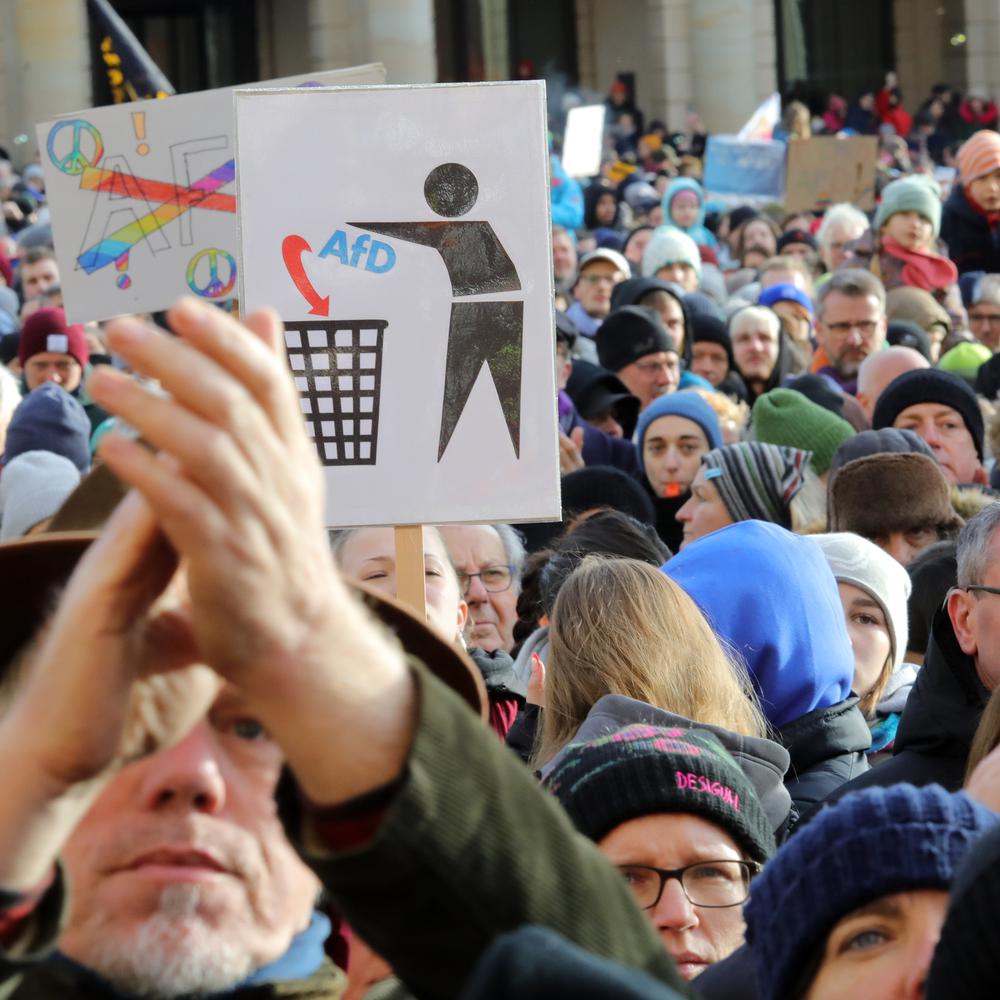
column 47, row 330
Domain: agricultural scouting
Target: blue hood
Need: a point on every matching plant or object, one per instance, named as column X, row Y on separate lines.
column 771, row 595
column 698, row 232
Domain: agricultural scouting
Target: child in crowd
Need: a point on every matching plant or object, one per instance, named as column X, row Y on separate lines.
column 684, row 209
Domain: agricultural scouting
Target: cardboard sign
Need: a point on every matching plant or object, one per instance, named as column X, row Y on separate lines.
column 410, row 263
column 825, row 170
column 744, row 171
column 583, row 141
column 143, row 201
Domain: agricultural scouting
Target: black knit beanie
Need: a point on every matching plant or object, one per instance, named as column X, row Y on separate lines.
column 964, row 964
column 889, row 440
column 706, row 328
column 641, row 770
column 930, row 385
column 630, row 333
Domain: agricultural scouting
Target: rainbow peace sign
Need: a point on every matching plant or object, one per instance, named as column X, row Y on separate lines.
column 215, row 288
column 76, row 160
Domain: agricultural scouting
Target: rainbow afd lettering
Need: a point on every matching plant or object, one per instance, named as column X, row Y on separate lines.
column 362, row 247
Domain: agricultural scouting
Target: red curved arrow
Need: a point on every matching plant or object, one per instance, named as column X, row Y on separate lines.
column 292, row 248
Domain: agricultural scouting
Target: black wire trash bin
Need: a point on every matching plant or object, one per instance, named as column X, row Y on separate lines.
column 337, row 365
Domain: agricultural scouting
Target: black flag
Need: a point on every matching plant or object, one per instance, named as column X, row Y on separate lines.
column 132, row 74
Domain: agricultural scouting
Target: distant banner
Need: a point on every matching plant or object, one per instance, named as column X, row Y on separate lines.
column 825, row 170
column 753, row 171
column 763, row 121
column 132, row 74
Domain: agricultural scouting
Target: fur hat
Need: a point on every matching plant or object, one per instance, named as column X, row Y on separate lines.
column 911, row 490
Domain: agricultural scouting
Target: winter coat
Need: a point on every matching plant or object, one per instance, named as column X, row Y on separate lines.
column 939, row 721
column 973, row 244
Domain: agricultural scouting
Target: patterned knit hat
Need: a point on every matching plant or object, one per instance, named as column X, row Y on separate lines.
column 670, row 246
column 870, row 844
column 916, row 193
column 979, row 156
column 641, row 770
column 756, row 481
column 784, row 416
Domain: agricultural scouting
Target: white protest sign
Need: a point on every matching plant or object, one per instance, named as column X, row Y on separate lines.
column 583, row 141
column 143, row 199
column 410, row 262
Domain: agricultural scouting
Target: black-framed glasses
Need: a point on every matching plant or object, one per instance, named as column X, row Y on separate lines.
column 707, row 883
column 495, row 579
column 984, row 589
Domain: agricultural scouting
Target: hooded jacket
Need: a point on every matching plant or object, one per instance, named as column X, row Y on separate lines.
column 763, row 761
column 786, row 620
column 702, row 236
column 973, row 244
column 939, row 721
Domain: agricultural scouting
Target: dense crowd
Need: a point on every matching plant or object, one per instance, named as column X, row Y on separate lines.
column 728, row 728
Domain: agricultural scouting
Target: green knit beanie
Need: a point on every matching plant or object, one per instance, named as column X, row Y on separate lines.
column 964, row 360
column 786, row 417
column 916, row 193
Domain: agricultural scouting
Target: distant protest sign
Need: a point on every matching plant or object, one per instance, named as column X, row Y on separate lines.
column 583, row 141
column 409, row 260
column 744, row 170
column 143, row 198
column 825, row 170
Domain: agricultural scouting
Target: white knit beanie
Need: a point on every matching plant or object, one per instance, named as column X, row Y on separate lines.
column 670, row 246
column 855, row 560
column 33, row 487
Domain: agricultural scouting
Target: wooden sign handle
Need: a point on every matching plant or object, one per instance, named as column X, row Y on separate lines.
column 410, row 578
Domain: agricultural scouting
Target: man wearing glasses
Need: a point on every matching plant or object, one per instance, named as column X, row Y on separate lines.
column 850, row 325
column 488, row 559
column 598, row 273
column 674, row 812
column 984, row 313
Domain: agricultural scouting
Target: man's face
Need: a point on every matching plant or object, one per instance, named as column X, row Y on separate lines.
column 671, row 454
column 563, row 256
column 784, row 276
column 984, row 322
column 695, row 936
column 651, row 376
column 636, row 246
column 38, row 277
column 671, row 314
column 608, row 422
column 681, row 274
column 834, row 248
column 882, row 949
column 369, row 555
column 477, row 548
column 975, row 615
column 905, row 546
column 181, row 879
column 802, row 250
column 594, row 287
column 945, row 431
column 755, row 348
column 710, row 361
column 852, row 326
column 53, row 366
column 985, row 191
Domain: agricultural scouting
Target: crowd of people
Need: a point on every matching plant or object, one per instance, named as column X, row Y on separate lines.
column 726, row 729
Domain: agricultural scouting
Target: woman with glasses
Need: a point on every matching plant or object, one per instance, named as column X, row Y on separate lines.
column 678, row 817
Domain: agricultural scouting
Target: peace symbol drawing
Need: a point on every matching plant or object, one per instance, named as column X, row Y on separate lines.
column 85, row 150
column 215, row 287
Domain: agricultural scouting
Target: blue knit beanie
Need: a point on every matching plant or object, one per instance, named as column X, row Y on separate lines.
column 872, row 843
column 681, row 404
column 50, row 419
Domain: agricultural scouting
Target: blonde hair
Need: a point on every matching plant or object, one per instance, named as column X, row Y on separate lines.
column 620, row 626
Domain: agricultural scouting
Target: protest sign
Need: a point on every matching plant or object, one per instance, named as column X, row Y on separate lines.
column 583, row 141
column 745, row 171
column 410, row 263
column 825, row 170
column 143, row 202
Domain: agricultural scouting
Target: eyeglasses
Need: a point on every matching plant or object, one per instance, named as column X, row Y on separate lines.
column 707, row 883
column 985, row 590
column 594, row 279
column 865, row 326
column 992, row 318
column 495, row 579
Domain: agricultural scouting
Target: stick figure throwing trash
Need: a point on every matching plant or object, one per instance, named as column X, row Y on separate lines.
column 481, row 332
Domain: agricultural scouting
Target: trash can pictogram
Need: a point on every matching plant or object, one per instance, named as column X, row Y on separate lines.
column 337, row 365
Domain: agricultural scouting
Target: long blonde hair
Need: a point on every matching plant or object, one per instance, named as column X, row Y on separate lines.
column 620, row 626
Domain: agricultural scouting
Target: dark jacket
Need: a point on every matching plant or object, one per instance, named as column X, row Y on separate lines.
column 827, row 748
column 939, row 721
column 972, row 244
